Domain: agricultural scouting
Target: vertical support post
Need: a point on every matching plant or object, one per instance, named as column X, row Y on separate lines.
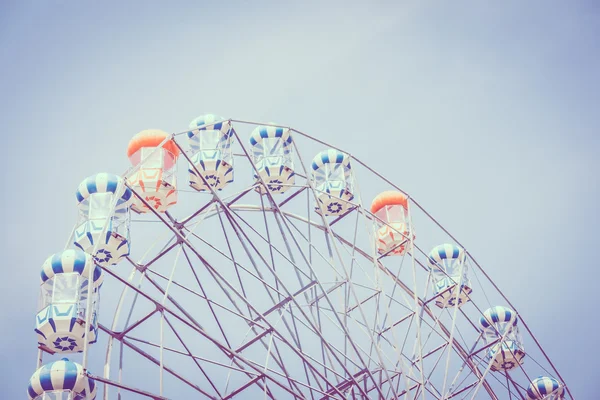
column 40, row 359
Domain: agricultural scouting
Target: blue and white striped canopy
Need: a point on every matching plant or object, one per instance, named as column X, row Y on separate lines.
column 497, row 314
column 104, row 183
column 330, row 156
column 61, row 375
column 444, row 252
column 209, row 122
column 543, row 386
column 72, row 260
column 261, row 132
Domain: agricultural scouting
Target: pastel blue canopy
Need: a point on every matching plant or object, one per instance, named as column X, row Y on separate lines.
column 103, row 183
column 209, row 122
column 445, row 252
column 72, row 260
column 61, row 375
column 543, row 386
column 497, row 314
column 263, row 132
column 330, row 156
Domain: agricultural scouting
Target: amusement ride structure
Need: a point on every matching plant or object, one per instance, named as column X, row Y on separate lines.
column 270, row 275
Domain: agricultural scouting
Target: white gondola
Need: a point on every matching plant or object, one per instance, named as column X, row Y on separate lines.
column 333, row 180
column 449, row 269
column 155, row 180
column 210, row 140
column 273, row 157
column 60, row 321
column 500, row 323
column 96, row 197
column 61, row 380
column 545, row 388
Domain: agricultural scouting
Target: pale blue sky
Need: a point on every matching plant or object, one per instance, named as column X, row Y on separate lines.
column 486, row 113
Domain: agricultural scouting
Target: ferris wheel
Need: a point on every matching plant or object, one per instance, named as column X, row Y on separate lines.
column 281, row 268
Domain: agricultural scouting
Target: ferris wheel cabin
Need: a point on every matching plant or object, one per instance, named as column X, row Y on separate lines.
column 334, row 183
column 500, row 323
column 392, row 225
column 545, row 388
column 273, row 157
column 61, row 380
column 103, row 202
column 452, row 287
column 60, row 323
column 155, row 178
column 210, row 140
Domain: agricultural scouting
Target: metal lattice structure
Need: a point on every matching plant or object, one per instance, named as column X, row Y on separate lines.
column 248, row 293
